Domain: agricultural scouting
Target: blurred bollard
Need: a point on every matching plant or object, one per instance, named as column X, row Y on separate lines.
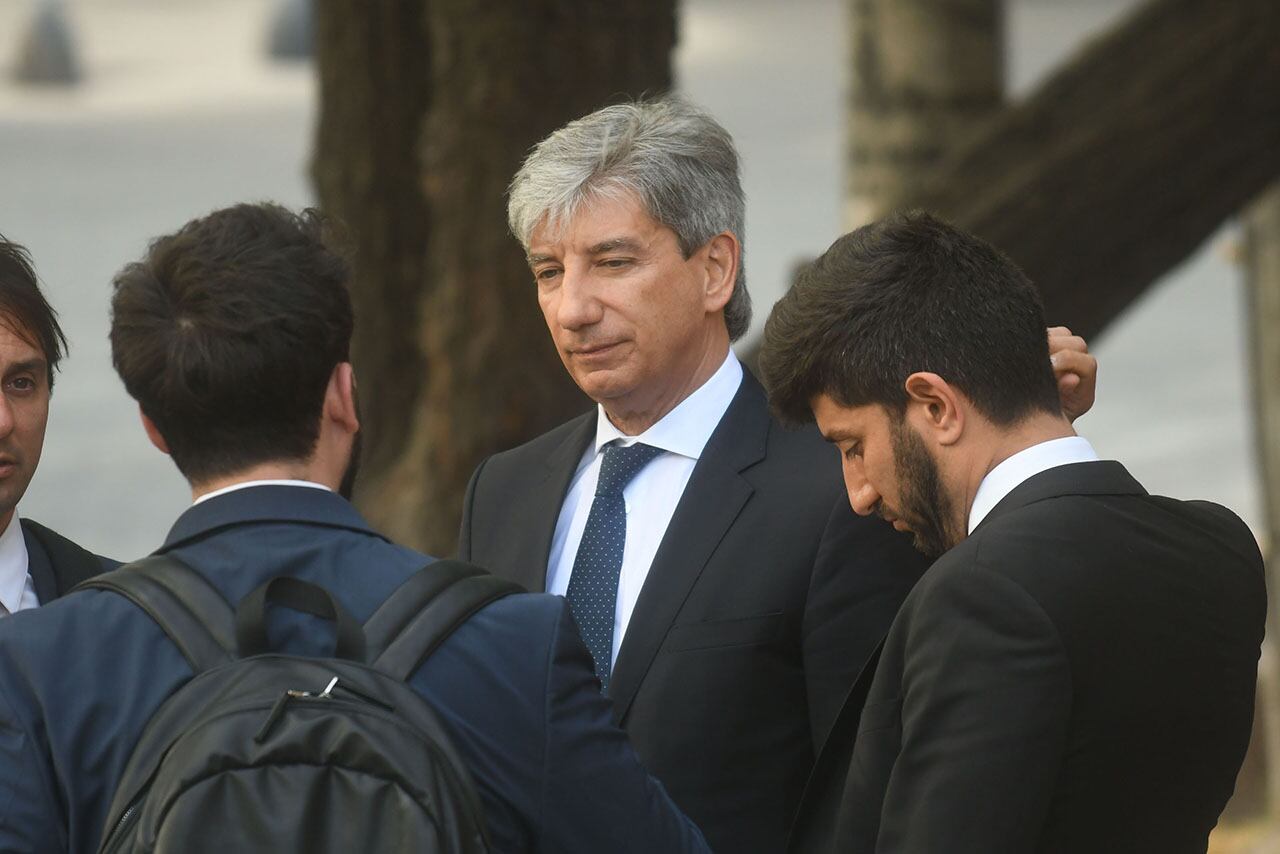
column 291, row 32
column 47, row 54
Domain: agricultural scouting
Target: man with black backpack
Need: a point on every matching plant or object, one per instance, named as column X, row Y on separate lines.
column 278, row 676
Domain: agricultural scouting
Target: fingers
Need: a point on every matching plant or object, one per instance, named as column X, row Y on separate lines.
column 1060, row 338
column 1077, row 362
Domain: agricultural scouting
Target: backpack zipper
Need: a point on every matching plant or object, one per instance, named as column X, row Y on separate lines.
column 117, row 835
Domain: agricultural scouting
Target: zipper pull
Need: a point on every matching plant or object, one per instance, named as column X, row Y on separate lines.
column 274, row 715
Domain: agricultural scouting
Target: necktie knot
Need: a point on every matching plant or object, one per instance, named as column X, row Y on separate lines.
column 621, row 464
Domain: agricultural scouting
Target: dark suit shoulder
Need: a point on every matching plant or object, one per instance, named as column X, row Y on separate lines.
column 1072, row 527
column 59, row 546
column 799, row 471
column 1106, row 567
column 509, row 510
column 538, row 449
column 56, row 563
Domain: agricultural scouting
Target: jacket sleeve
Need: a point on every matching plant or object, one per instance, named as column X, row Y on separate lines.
column 596, row 795
column 986, row 697
column 29, row 816
column 863, row 571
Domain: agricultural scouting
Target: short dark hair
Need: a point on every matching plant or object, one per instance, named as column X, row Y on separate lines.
column 227, row 332
column 909, row 293
column 24, row 309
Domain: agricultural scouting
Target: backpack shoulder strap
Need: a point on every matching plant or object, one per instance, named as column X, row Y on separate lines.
column 425, row 610
column 186, row 606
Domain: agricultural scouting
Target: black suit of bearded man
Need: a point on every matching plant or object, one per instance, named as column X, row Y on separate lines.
column 763, row 602
column 1075, row 676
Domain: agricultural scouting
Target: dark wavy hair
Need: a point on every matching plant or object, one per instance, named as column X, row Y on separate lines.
column 24, row 308
column 227, row 332
column 909, row 293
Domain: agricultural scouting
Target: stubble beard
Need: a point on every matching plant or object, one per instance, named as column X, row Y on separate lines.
column 926, row 507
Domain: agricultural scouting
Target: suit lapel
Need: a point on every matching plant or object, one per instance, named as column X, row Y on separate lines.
column 712, row 500
column 539, row 516
column 39, row 567
column 815, row 819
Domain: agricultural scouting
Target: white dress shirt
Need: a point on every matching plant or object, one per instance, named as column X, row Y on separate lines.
column 1007, row 476
column 248, row 483
column 652, row 495
column 17, row 590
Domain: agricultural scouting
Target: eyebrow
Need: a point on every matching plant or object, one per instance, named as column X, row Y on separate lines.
column 613, row 244
column 34, row 366
column 838, row 436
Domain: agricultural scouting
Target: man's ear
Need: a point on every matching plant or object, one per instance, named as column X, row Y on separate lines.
column 340, row 398
column 934, row 408
column 153, row 432
column 723, row 254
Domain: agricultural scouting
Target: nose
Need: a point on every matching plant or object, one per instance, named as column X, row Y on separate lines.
column 6, row 417
column 863, row 497
column 578, row 306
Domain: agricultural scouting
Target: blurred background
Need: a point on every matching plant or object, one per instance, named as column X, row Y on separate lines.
column 122, row 119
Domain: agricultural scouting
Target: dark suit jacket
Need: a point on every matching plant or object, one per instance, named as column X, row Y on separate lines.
column 1077, row 675
column 765, row 597
column 80, row 678
column 56, row 564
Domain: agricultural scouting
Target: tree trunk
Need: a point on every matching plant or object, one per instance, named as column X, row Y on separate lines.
column 449, row 315
column 925, row 74
column 1118, row 167
column 375, row 81
column 1262, row 274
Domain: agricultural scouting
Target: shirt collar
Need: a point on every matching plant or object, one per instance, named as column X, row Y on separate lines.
column 248, row 483
column 300, row 504
column 1007, row 476
column 13, row 564
column 686, row 429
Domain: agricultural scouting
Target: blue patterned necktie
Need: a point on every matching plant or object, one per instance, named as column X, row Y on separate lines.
column 593, row 585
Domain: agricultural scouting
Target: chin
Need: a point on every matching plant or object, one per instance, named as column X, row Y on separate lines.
column 603, row 386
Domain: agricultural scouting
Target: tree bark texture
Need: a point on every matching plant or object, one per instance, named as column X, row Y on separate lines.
column 925, row 73
column 450, row 313
column 1118, row 167
column 1262, row 275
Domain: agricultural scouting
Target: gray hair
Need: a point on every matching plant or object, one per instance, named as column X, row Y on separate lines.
column 671, row 155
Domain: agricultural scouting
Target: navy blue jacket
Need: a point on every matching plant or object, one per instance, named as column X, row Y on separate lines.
column 80, row 678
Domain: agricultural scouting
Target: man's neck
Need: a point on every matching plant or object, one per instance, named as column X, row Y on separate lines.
column 632, row 421
column 1007, row 441
column 289, row 470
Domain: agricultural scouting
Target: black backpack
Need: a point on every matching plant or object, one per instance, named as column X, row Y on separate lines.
column 263, row 752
